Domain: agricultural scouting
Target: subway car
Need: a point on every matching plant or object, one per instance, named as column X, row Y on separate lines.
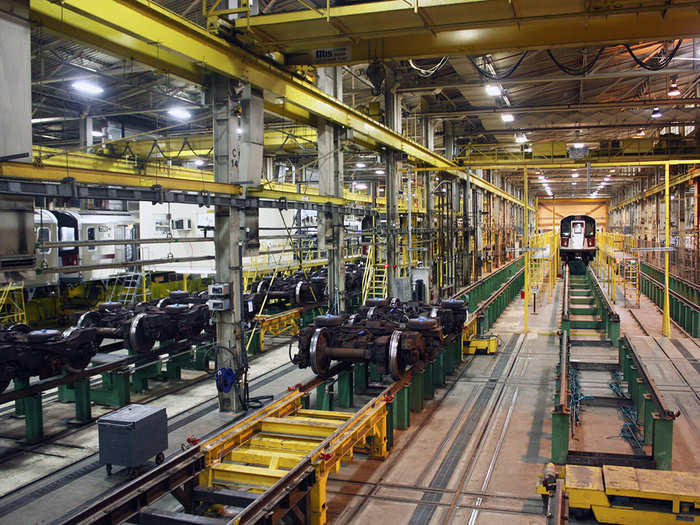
column 577, row 239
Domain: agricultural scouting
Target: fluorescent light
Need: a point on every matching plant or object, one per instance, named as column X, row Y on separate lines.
column 179, row 113
column 88, row 88
column 520, row 138
column 579, row 145
column 492, row 91
column 239, row 131
column 656, row 113
column 198, row 162
column 507, row 117
column 361, row 186
column 607, row 179
column 379, row 172
column 574, row 175
column 673, row 90
column 360, row 165
column 97, row 134
column 573, row 183
column 541, row 177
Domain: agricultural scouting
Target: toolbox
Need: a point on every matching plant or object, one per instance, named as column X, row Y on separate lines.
column 132, row 435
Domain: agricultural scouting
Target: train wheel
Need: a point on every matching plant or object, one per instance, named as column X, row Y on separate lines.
column 90, row 320
column 397, row 365
column 21, row 328
column 320, row 363
column 139, row 341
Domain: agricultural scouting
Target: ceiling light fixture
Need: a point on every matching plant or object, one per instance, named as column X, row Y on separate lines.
column 361, row 186
column 179, row 113
column 239, row 131
column 573, row 183
column 520, row 139
column 198, row 162
column 379, row 172
column 541, row 177
column 360, row 165
column 88, row 88
column 97, row 134
column 579, row 145
column 574, row 175
column 673, row 90
column 607, row 179
column 492, row 91
column 507, row 117
column 656, row 112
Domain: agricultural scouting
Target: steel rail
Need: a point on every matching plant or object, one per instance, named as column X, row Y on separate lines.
column 563, row 406
column 682, row 280
column 687, row 302
column 612, row 314
column 664, row 411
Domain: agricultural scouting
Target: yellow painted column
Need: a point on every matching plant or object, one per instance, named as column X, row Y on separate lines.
column 666, row 328
column 318, row 499
column 526, row 244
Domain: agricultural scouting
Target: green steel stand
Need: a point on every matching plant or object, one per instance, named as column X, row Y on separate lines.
column 416, row 393
column 33, row 419
column 402, row 415
column 662, row 446
column 83, row 408
column 360, row 376
column 20, row 410
column 560, row 437
column 324, row 396
column 345, row 390
column 428, row 382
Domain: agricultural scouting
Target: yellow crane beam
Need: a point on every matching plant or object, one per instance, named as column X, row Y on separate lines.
column 151, row 34
column 402, row 29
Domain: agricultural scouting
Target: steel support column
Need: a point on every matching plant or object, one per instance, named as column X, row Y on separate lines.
column 330, row 170
column 526, row 245
column 666, row 328
column 237, row 158
column 393, row 184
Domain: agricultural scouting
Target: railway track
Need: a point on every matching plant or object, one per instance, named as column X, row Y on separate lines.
column 86, row 465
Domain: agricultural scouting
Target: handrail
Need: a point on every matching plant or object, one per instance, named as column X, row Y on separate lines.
column 563, row 406
column 473, row 285
column 612, row 314
column 565, row 307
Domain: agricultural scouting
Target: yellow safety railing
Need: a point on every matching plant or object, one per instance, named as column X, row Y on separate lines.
column 12, row 303
column 544, row 264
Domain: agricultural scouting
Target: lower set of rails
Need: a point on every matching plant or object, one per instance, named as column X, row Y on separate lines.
column 656, row 381
column 272, row 466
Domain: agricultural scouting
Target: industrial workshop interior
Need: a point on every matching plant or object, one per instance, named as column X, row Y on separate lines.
column 285, row 262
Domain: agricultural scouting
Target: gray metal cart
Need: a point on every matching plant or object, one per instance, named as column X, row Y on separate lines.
column 132, row 435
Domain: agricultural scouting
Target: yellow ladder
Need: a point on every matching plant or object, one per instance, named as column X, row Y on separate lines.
column 377, row 287
column 631, row 282
column 12, row 304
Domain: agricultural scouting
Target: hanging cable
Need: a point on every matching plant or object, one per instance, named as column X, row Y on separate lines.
column 576, row 72
column 662, row 62
column 431, row 71
column 492, row 76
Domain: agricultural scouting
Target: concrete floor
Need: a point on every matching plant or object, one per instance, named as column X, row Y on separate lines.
column 473, row 455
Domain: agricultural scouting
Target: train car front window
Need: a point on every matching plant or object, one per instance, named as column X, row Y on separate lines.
column 578, row 228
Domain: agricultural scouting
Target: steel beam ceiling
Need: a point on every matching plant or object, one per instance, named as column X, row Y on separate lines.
column 152, row 35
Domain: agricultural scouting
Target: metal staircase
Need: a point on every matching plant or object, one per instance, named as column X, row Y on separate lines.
column 12, row 303
column 126, row 288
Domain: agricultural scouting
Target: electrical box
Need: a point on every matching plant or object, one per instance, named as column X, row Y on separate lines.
column 132, row 435
column 219, row 297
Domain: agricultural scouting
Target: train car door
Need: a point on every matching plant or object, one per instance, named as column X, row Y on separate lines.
column 577, row 234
